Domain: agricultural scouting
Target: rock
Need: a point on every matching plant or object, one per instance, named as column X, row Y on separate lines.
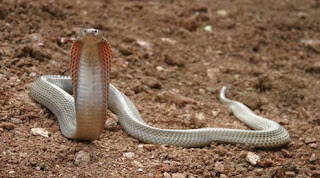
column 179, row 175
column 32, row 74
column 286, row 153
column 222, row 13
column 290, row 167
column 252, row 158
column 168, row 40
column 223, row 176
column 152, row 82
column 166, row 175
column 125, row 50
column 34, row 52
column 310, row 140
column 137, row 164
column 36, row 37
column 159, row 68
column 40, row 131
column 265, row 163
column 290, row 173
column 313, row 145
column 111, row 124
column 150, row 147
column 82, row 157
column 190, row 23
column 15, row 120
column 140, row 170
column 128, row 155
column 313, row 158
column 173, row 61
column 315, row 67
column 7, row 126
column 144, row 44
column 218, row 167
column 316, row 173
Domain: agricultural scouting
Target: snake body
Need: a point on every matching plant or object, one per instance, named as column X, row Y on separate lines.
column 83, row 117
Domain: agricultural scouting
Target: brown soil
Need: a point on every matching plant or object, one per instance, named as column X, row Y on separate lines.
column 267, row 52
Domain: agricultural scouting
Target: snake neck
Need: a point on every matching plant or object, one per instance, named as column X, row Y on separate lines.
column 90, row 111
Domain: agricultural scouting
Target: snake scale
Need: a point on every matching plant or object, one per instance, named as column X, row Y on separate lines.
column 82, row 116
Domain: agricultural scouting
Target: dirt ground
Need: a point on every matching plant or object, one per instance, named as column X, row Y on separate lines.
column 172, row 67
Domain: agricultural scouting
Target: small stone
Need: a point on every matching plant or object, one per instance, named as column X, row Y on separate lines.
column 315, row 67
column 313, row 145
column 252, row 158
column 290, row 173
column 151, row 82
column 40, row 131
column 7, row 126
column 36, row 37
column 111, row 124
column 137, row 164
column 286, row 153
column 313, row 158
column 178, row 175
column 168, row 40
column 223, row 176
column 173, row 61
column 128, row 155
column 82, row 157
column 190, row 23
column 310, row 140
column 144, row 44
column 316, row 173
column 166, row 175
column 140, row 170
column 265, row 163
column 11, row 172
column 15, row 120
column 218, row 167
column 32, row 74
column 159, row 68
column 222, row 13
column 150, row 147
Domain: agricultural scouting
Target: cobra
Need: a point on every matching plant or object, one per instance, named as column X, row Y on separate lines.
column 83, row 116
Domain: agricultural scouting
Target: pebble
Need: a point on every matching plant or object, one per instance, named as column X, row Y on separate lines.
column 315, row 67
column 286, row 153
column 150, row 147
column 313, row 145
column 7, row 126
column 223, row 176
column 316, row 173
column 11, row 172
column 222, row 13
column 166, row 175
column 151, row 82
column 111, row 124
column 218, row 167
column 32, row 74
column 159, row 68
column 265, row 163
column 15, row 120
column 310, row 140
column 137, row 164
column 40, row 131
column 290, row 173
column 178, row 175
column 313, row 158
column 173, row 61
column 82, row 157
column 168, row 40
column 140, row 170
column 128, row 154
column 252, row 158
column 144, row 44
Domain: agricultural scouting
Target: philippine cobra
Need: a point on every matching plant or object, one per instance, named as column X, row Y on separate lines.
column 84, row 117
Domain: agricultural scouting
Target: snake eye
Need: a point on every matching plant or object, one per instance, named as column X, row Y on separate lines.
column 96, row 32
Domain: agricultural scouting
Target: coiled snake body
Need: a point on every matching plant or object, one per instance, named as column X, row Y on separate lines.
column 83, row 117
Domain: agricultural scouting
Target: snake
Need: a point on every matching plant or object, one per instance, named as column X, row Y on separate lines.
column 81, row 101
